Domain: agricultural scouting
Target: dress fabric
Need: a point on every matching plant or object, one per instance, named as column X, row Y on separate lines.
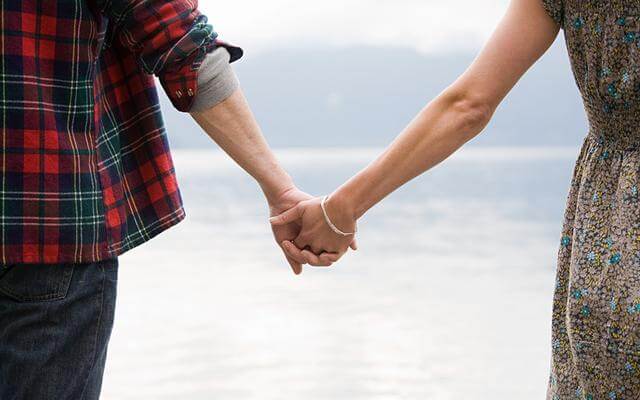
column 596, row 308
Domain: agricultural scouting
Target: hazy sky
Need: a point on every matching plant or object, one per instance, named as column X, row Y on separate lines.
column 425, row 25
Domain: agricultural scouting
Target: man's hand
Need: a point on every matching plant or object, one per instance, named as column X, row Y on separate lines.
column 316, row 244
column 285, row 232
column 232, row 125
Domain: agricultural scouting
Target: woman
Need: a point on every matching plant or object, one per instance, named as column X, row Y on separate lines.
column 596, row 318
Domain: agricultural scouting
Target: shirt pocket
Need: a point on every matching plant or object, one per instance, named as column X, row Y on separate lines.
column 618, row 83
column 35, row 282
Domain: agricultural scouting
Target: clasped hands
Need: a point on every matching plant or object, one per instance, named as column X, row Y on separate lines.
column 300, row 228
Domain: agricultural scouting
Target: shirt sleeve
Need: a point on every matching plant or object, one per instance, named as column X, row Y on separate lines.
column 170, row 39
column 555, row 9
column 216, row 80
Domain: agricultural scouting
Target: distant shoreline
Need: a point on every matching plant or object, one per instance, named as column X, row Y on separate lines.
column 323, row 155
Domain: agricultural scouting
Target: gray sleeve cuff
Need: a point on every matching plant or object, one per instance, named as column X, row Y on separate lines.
column 216, row 80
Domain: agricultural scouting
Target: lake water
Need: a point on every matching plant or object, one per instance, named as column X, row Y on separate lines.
column 449, row 296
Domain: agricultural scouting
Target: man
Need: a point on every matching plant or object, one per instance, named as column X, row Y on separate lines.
column 86, row 172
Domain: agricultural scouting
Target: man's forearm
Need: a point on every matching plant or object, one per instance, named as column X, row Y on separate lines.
column 233, row 127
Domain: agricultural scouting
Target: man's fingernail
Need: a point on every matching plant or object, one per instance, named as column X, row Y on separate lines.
column 273, row 219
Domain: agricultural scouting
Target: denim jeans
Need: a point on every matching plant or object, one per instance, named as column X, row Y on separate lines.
column 55, row 324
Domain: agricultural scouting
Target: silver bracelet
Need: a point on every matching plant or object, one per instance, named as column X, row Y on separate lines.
column 328, row 221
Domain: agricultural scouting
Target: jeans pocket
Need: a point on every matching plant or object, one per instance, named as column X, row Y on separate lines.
column 35, row 282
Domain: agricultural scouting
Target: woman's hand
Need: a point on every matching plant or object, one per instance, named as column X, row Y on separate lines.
column 317, row 244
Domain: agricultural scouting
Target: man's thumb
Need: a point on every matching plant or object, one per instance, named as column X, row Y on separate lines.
column 286, row 217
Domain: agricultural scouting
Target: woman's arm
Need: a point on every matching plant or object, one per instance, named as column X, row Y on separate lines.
column 444, row 125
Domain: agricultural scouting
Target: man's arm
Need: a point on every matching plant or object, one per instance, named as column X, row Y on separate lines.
column 232, row 126
column 172, row 40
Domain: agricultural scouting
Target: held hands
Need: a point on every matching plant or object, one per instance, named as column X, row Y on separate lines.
column 316, row 243
column 285, row 232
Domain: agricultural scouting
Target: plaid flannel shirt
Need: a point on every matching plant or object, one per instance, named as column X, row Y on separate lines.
column 86, row 168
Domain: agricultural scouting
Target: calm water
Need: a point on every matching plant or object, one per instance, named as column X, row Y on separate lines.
column 449, row 296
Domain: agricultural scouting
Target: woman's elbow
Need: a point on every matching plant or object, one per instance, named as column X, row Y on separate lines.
column 472, row 112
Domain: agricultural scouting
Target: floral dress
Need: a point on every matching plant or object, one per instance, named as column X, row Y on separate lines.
column 596, row 310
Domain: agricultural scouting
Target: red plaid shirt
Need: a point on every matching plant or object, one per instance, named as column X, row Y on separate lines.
column 86, row 168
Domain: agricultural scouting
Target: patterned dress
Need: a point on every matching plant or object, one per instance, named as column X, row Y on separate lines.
column 596, row 310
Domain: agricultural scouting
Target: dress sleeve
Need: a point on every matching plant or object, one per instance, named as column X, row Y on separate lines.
column 555, row 9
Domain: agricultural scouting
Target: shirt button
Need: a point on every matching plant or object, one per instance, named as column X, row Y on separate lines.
column 178, row 93
column 190, row 92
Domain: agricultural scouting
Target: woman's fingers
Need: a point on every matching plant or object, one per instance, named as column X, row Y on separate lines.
column 308, row 253
column 314, row 260
column 293, row 252
column 298, row 251
column 329, row 257
column 306, row 256
column 295, row 266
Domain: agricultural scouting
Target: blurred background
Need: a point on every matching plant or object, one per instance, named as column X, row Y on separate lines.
column 449, row 296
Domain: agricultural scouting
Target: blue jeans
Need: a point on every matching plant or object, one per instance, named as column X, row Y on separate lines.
column 55, row 324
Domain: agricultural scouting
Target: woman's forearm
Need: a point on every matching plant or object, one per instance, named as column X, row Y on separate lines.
column 439, row 130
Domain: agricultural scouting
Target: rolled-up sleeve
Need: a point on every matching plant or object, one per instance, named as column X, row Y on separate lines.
column 216, row 80
column 170, row 39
